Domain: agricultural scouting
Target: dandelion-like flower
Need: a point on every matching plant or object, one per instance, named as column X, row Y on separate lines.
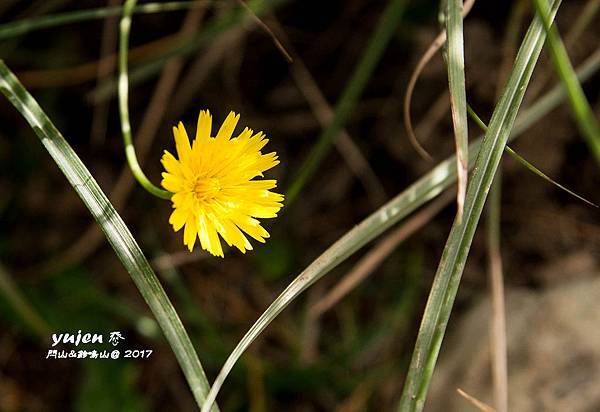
column 213, row 188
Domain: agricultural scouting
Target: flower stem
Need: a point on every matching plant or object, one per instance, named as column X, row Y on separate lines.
column 124, row 108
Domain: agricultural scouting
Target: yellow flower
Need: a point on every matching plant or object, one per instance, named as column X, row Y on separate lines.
column 213, row 187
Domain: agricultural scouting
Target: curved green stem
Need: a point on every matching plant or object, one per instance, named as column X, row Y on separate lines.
column 134, row 165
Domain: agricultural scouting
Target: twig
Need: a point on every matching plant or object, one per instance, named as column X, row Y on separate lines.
column 173, row 260
column 266, row 28
column 498, row 322
column 104, row 68
column 357, row 401
column 82, row 73
column 311, row 328
column 434, row 115
column 202, row 67
column 498, row 345
column 476, row 402
column 323, row 112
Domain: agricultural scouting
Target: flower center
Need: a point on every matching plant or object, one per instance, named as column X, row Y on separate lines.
column 206, row 188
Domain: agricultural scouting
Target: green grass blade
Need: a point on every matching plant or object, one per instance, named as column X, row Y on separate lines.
column 20, row 27
column 550, row 100
column 525, row 163
column 586, row 120
column 362, row 73
column 450, row 269
column 458, row 96
column 119, row 237
column 541, row 174
column 10, row 291
column 416, row 195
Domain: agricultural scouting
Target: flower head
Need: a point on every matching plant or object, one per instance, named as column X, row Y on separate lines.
column 213, row 186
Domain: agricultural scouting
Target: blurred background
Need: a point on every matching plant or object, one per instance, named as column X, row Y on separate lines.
column 332, row 350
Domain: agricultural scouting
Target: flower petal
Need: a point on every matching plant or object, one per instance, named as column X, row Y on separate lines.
column 204, row 126
column 253, row 228
column 227, row 127
column 178, row 219
column 171, row 182
column 208, row 236
column 171, row 164
column 233, row 235
column 182, row 142
column 190, row 232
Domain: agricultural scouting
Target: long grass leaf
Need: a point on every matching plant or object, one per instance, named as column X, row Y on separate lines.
column 586, row 120
column 119, row 237
column 458, row 96
column 416, row 195
column 13, row 295
column 528, row 165
column 20, row 27
column 544, row 176
column 445, row 285
column 362, row 73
